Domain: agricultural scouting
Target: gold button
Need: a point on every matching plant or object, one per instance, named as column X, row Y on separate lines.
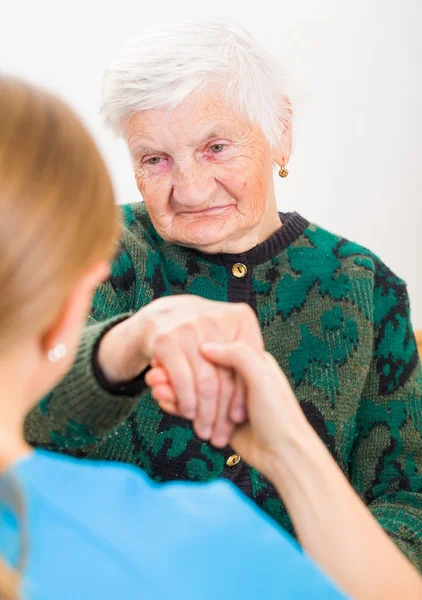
column 239, row 270
column 233, row 460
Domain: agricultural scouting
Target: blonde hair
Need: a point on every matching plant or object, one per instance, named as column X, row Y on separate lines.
column 57, row 216
column 58, row 212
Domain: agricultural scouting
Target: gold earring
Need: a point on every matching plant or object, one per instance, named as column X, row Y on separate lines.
column 283, row 172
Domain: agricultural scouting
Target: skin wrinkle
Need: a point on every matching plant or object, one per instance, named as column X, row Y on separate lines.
column 189, row 177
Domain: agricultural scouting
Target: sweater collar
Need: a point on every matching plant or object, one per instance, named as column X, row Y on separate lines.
column 292, row 226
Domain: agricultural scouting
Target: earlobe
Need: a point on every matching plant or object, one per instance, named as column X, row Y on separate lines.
column 52, row 345
column 283, row 152
column 282, row 156
column 54, row 342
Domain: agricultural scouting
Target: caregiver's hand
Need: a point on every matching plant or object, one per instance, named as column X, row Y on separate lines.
column 275, row 418
column 274, row 415
column 331, row 521
column 170, row 331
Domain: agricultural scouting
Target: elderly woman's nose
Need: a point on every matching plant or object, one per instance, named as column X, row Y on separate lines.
column 193, row 186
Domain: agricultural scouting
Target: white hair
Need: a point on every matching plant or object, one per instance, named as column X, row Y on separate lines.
column 161, row 68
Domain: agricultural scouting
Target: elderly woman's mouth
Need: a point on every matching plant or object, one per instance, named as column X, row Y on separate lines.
column 215, row 210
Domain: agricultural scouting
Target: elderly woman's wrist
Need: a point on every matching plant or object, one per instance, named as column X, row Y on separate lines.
column 119, row 360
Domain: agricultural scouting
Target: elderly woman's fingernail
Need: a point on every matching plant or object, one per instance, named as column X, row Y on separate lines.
column 238, row 415
column 219, row 441
column 205, row 433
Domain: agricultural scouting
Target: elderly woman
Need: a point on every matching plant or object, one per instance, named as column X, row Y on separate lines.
column 205, row 115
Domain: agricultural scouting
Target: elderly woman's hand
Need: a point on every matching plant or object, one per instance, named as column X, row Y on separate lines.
column 171, row 331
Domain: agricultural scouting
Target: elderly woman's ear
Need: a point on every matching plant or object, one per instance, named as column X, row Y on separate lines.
column 282, row 153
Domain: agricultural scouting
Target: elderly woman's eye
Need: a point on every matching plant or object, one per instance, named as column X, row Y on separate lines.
column 154, row 160
column 216, row 148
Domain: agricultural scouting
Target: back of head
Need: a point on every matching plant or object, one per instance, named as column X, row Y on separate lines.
column 57, row 208
column 160, row 69
column 57, row 216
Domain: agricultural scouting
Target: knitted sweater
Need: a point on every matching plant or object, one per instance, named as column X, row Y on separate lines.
column 335, row 318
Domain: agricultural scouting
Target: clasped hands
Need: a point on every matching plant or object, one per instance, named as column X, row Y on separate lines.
column 209, row 365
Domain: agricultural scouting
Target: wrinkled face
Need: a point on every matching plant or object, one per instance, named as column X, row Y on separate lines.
column 204, row 172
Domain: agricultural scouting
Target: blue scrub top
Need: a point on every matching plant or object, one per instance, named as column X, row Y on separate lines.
column 100, row 530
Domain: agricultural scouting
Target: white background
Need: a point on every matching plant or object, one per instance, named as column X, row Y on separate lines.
column 357, row 65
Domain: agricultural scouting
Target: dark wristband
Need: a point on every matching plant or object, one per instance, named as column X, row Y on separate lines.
column 125, row 388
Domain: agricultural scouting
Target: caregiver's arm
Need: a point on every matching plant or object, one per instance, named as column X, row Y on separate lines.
column 332, row 523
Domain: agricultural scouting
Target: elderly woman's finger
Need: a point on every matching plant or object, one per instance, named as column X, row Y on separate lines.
column 238, row 412
column 164, row 393
column 157, row 376
column 173, row 359
column 169, row 407
column 207, row 389
column 223, row 426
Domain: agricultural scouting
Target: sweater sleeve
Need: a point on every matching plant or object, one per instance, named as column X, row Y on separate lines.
column 78, row 413
column 386, row 461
